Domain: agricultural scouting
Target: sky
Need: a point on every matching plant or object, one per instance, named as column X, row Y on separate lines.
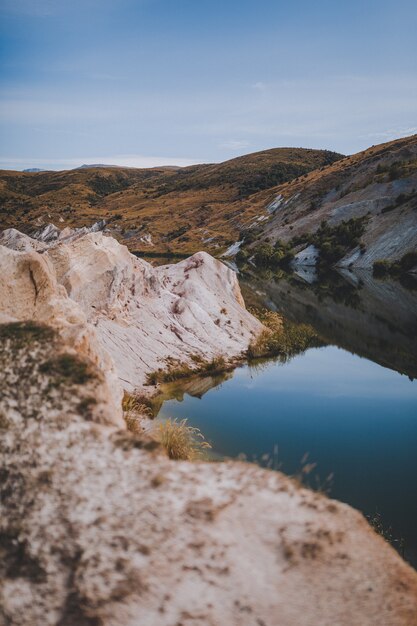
column 150, row 82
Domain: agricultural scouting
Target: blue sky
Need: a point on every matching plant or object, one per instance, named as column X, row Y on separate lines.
column 145, row 82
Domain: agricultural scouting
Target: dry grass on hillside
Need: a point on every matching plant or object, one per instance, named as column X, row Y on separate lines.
column 183, row 209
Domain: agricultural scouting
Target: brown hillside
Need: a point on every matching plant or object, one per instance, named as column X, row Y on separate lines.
column 182, row 209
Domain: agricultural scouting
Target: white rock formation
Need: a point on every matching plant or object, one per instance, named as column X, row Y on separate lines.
column 306, row 257
column 142, row 315
column 233, row 249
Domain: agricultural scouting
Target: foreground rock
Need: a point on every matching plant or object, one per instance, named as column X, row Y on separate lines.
column 145, row 318
column 98, row 529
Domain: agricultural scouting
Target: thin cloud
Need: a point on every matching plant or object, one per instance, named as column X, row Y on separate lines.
column 234, row 145
column 393, row 132
column 259, row 86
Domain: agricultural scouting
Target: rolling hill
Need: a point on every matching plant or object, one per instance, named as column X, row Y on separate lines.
column 307, row 206
column 167, row 210
column 357, row 211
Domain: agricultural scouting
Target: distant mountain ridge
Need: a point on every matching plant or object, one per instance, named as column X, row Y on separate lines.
column 35, row 169
column 89, row 166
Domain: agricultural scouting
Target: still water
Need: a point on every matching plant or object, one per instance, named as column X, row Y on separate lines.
column 351, row 405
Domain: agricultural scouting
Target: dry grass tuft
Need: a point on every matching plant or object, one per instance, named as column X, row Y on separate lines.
column 135, row 408
column 182, row 442
column 136, row 404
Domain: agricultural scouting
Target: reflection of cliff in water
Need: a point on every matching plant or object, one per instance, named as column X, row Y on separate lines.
column 372, row 318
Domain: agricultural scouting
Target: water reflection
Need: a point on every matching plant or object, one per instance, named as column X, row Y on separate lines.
column 374, row 319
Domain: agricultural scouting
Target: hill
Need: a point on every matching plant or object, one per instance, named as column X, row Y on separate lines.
column 358, row 211
column 179, row 210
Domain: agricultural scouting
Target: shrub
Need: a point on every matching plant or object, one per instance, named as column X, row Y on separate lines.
column 394, row 171
column 268, row 256
column 182, row 442
column 381, row 268
column 137, row 404
column 241, row 257
column 261, row 346
column 334, row 242
column 400, row 199
column 215, row 365
column 408, row 261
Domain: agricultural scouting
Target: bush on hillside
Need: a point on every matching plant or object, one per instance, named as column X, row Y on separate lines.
column 334, row 242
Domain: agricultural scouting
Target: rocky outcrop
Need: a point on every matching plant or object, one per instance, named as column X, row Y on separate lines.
column 144, row 318
column 97, row 528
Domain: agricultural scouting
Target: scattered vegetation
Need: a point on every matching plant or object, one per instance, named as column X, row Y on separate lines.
column 177, row 370
column 334, row 242
column 250, row 173
column 277, row 255
column 308, row 477
column 210, row 199
column 22, row 333
column 181, row 441
column 69, row 368
column 137, row 403
column 401, row 199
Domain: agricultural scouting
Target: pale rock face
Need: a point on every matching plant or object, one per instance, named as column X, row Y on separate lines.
column 15, row 240
column 233, row 249
column 141, row 315
column 144, row 315
column 306, row 257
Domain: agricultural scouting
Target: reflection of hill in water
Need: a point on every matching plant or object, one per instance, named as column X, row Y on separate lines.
column 374, row 319
column 195, row 387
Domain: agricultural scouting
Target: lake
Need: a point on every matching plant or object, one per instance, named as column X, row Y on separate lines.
column 350, row 406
